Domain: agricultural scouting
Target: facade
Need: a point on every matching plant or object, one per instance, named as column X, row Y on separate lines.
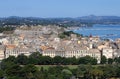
column 2, row 51
column 2, row 39
column 95, row 53
column 26, row 40
column 107, row 52
column 12, row 50
column 116, row 53
column 80, row 52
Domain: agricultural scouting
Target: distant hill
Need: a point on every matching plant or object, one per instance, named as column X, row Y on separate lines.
column 66, row 22
column 93, row 17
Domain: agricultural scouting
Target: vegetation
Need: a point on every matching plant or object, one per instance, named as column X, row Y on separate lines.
column 37, row 66
column 103, row 60
column 63, row 22
column 67, row 34
column 2, row 29
column 38, row 59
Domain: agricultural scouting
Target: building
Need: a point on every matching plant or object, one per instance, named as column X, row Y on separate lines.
column 2, row 51
column 72, row 52
column 12, row 50
column 3, row 39
column 116, row 53
column 94, row 39
column 95, row 53
column 107, row 52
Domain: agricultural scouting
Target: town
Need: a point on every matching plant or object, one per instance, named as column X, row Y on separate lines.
column 52, row 40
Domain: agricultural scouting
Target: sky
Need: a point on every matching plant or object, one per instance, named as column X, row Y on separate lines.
column 59, row 8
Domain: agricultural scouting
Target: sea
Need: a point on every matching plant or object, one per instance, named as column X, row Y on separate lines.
column 111, row 32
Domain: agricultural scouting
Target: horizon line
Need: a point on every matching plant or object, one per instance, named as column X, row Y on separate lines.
column 58, row 17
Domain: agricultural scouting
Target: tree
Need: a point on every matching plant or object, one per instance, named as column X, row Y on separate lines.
column 35, row 55
column 14, row 70
column 110, row 60
column 57, row 60
column 29, row 71
column 40, row 75
column 34, row 58
column 103, row 60
column 74, row 61
column 96, row 73
column 10, row 59
column 66, row 73
column 6, row 64
column 69, row 61
column 80, row 71
column 22, row 59
column 109, row 71
column 45, row 60
column 118, row 71
column 117, row 59
column 88, row 69
column 87, row 60
column 14, row 77
column 1, row 74
column 94, row 61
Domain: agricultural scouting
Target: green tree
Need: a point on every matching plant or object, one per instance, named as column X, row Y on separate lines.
column 14, row 77
column 94, row 61
column 57, row 60
column 6, row 64
column 87, row 60
column 22, row 59
column 45, row 60
column 74, row 61
column 10, row 59
column 40, row 75
column 109, row 71
column 118, row 71
column 35, row 55
column 66, row 73
column 96, row 73
column 103, row 60
column 110, row 60
column 117, row 60
column 29, row 71
column 34, row 58
column 14, row 70
column 80, row 71
column 88, row 69
column 1, row 74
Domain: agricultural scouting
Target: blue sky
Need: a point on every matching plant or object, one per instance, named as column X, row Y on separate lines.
column 58, row 8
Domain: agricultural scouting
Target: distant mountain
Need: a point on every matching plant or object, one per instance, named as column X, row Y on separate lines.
column 90, row 17
column 66, row 22
column 93, row 17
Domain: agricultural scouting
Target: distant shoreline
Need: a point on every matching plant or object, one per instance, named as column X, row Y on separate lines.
column 104, row 31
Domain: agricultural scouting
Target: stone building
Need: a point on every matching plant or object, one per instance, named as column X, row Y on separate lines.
column 2, row 51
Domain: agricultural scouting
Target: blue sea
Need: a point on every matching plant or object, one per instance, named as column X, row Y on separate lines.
column 104, row 31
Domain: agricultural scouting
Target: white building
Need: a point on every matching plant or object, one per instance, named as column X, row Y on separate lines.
column 12, row 50
column 107, row 52
column 116, row 53
column 3, row 39
column 2, row 50
column 72, row 52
